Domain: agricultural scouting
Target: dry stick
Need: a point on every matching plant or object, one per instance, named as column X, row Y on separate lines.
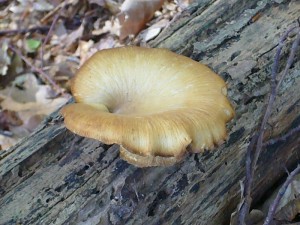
column 250, row 167
column 41, row 72
column 248, row 180
column 23, row 31
column 57, row 8
column 274, row 88
column 290, row 59
column 297, row 170
column 48, row 36
column 288, row 65
column 280, row 194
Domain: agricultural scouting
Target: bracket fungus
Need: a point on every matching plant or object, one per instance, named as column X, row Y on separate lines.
column 155, row 104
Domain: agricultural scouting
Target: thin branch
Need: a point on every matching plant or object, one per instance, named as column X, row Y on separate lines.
column 280, row 194
column 255, row 147
column 51, row 28
column 290, row 60
column 273, row 94
column 55, row 10
column 44, row 75
column 48, row 35
column 247, row 184
column 24, row 30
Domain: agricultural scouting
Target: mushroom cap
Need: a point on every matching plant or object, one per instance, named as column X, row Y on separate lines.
column 152, row 102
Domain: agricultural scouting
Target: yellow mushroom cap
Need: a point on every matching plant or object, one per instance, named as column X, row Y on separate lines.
column 152, row 102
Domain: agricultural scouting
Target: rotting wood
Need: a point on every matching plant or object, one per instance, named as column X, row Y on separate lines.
column 56, row 177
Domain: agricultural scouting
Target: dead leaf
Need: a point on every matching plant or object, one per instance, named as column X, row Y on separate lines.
column 5, row 59
column 7, row 142
column 152, row 31
column 9, row 118
column 183, row 3
column 33, row 122
column 23, row 89
column 291, row 193
column 42, row 6
column 30, row 5
column 24, row 105
column 111, row 5
column 105, row 43
column 289, row 211
column 109, row 27
column 71, row 38
column 289, row 205
column 83, row 50
column 135, row 14
column 254, row 218
column 98, row 2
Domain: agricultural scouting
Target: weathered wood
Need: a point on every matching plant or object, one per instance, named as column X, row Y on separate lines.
column 56, row 177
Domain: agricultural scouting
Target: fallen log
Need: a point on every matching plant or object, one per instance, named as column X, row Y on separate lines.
column 56, row 177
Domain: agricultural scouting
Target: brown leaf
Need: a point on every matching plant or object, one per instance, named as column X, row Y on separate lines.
column 111, row 5
column 152, row 31
column 5, row 59
column 24, row 105
column 290, row 211
column 73, row 37
column 9, row 118
column 135, row 14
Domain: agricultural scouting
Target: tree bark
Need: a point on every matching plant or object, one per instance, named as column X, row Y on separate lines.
column 56, row 177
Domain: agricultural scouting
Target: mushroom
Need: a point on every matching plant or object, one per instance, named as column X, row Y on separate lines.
column 155, row 104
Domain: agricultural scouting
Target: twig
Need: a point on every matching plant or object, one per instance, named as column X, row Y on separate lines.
column 51, row 28
column 247, row 184
column 39, row 71
column 272, row 97
column 280, row 194
column 256, row 147
column 57, row 8
column 283, row 137
column 290, row 60
column 24, row 30
column 48, row 35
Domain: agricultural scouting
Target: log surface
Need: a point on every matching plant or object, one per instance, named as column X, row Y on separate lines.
column 56, row 177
